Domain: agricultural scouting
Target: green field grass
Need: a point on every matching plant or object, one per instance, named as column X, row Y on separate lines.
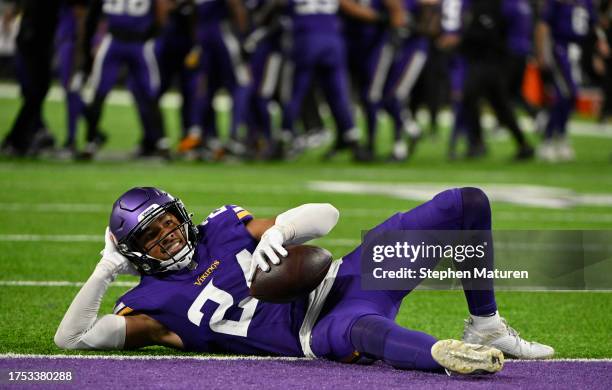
column 46, row 197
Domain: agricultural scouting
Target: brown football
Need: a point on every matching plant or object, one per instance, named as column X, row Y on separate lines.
column 296, row 276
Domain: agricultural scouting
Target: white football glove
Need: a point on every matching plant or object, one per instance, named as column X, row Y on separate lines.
column 114, row 261
column 270, row 246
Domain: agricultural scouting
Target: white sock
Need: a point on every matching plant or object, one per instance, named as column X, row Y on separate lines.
column 489, row 322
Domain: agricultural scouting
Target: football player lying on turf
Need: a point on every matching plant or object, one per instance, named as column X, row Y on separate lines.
column 193, row 293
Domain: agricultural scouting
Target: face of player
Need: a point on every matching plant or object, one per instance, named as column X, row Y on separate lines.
column 163, row 238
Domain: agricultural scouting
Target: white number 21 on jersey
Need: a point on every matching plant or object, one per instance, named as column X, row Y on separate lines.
column 225, row 300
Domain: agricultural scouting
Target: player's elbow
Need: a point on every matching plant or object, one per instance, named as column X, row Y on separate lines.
column 330, row 215
column 62, row 340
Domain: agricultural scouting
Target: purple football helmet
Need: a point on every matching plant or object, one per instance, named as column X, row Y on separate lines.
column 134, row 211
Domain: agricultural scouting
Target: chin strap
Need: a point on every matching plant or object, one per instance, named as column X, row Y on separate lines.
column 185, row 255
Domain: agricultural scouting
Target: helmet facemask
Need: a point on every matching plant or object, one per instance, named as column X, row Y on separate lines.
column 173, row 259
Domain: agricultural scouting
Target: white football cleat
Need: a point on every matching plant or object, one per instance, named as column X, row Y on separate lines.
column 547, row 152
column 565, row 151
column 400, row 151
column 464, row 358
column 507, row 340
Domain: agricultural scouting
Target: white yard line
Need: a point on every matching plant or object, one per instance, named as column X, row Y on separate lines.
column 526, row 195
column 220, row 357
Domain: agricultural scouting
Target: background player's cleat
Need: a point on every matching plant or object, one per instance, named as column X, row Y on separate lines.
column 235, row 147
column 66, row 152
column 467, row 359
column 547, row 151
column 189, row 143
column 399, row 152
column 160, row 150
column 42, row 141
column 506, row 339
column 92, row 147
column 565, row 151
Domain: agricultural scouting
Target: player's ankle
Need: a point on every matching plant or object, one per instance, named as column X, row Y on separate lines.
column 486, row 321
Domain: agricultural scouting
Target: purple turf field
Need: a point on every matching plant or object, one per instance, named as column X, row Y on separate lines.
column 300, row 374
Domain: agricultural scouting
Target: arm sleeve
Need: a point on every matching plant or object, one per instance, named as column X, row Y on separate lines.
column 307, row 222
column 81, row 327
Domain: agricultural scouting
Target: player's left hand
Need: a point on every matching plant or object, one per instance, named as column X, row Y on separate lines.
column 270, row 246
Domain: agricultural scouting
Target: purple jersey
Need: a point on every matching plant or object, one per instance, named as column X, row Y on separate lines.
column 210, row 307
column 519, row 15
column 569, row 21
column 130, row 18
column 211, row 11
column 314, row 16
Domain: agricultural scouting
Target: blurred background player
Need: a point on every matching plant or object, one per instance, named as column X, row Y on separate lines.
column 451, row 24
column 220, row 26
column 173, row 46
column 132, row 25
column 318, row 50
column 34, row 54
column 68, row 36
column 520, row 48
column 561, row 23
column 485, row 49
column 370, row 55
column 412, row 46
column 263, row 47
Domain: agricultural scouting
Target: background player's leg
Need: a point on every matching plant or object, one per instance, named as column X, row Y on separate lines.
column 74, row 104
column 457, row 81
column 144, row 70
column 553, row 149
column 103, row 77
column 238, row 77
column 475, row 85
column 568, row 91
column 299, row 85
column 500, row 100
column 334, row 82
column 375, row 72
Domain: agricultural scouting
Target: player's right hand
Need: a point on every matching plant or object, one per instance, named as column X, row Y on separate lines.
column 270, row 247
column 114, row 260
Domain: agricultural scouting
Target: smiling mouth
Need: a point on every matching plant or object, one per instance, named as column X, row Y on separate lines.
column 174, row 247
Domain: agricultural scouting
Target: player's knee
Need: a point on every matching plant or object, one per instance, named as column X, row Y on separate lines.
column 449, row 202
column 475, row 201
